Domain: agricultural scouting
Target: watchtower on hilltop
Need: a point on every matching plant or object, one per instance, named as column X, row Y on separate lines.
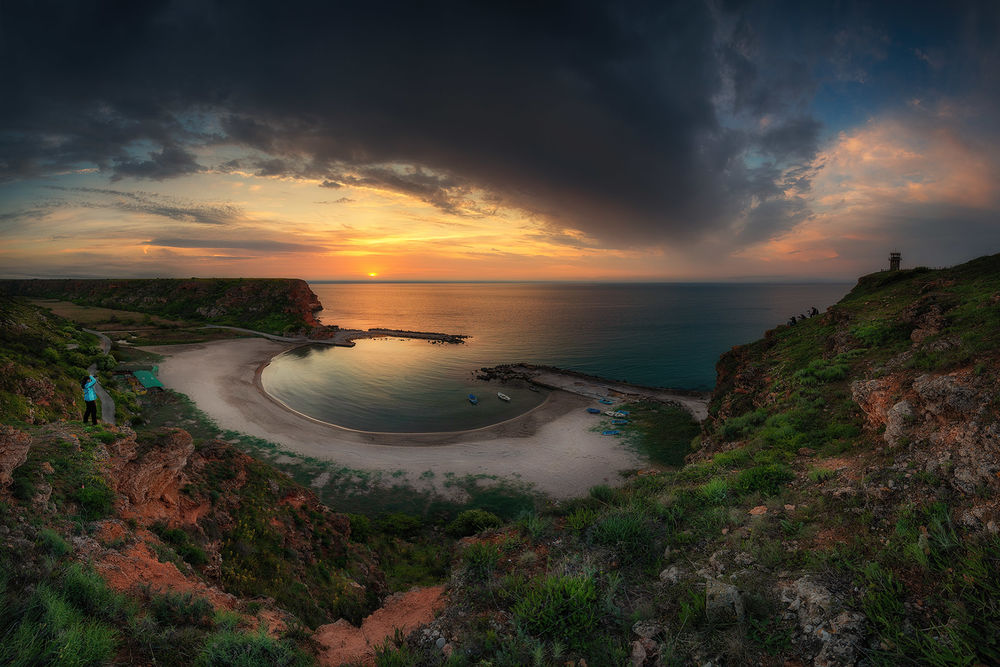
column 894, row 259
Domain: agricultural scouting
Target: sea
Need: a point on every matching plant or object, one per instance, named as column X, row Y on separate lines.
column 654, row 334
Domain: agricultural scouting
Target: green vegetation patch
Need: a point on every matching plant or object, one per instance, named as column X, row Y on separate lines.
column 662, row 433
column 559, row 607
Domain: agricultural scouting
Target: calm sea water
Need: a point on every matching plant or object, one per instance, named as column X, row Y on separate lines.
column 666, row 335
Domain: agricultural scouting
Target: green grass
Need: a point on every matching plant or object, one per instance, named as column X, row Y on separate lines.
column 662, row 433
column 563, row 608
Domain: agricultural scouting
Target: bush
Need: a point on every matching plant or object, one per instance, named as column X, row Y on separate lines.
column 53, row 542
column 51, row 631
column 559, row 608
column 481, row 558
column 715, row 491
column 181, row 542
column 235, row 649
column 626, row 531
column 582, row 518
column 361, row 527
column 766, row 479
column 94, row 498
column 739, row 427
column 603, row 493
column 88, row 591
column 181, row 609
column 471, row 522
column 821, row 371
column 533, row 525
column 399, row 524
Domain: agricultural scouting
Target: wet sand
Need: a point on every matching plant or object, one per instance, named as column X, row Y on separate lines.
column 551, row 447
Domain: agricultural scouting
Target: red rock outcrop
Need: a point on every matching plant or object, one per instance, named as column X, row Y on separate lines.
column 945, row 420
column 148, row 477
column 14, row 446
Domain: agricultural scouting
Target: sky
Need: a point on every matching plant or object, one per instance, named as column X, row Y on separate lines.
column 660, row 141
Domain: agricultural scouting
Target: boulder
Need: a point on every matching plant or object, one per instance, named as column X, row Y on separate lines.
column 723, row 601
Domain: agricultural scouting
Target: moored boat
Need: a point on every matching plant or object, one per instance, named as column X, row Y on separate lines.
column 473, row 399
column 502, row 396
column 605, row 401
column 615, row 414
column 593, row 411
column 611, row 433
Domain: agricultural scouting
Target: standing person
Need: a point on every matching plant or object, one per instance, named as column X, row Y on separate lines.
column 90, row 397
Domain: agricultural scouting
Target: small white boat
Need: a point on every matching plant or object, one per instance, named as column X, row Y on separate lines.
column 502, row 396
column 615, row 414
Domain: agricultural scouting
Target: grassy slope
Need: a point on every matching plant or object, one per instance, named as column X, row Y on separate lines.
column 830, row 504
column 52, row 606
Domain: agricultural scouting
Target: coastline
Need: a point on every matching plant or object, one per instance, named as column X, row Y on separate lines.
column 551, row 447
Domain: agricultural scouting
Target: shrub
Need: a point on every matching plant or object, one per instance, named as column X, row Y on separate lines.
column 715, row 491
column 626, row 531
column 603, row 493
column 821, row 371
column 399, row 524
column 53, row 542
column 820, row 475
column 181, row 609
column 481, row 558
column 739, row 427
column 51, row 631
column 95, row 498
column 766, row 479
column 471, row 522
column 235, row 649
column 361, row 527
column 563, row 608
column 88, row 591
column 533, row 524
column 582, row 518
column 878, row 333
column 181, row 542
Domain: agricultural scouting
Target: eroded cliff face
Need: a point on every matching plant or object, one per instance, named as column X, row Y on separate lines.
column 945, row 425
column 904, row 367
column 205, row 519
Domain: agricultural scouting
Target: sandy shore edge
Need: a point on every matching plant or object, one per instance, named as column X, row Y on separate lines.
column 552, row 447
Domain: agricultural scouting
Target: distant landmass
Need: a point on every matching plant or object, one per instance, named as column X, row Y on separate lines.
column 274, row 305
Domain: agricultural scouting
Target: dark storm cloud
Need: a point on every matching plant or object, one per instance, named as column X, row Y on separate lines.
column 631, row 121
column 168, row 163
column 796, row 138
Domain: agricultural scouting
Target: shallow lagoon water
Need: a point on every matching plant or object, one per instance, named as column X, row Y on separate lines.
column 403, row 386
column 666, row 335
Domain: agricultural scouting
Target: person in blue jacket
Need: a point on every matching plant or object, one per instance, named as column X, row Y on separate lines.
column 90, row 397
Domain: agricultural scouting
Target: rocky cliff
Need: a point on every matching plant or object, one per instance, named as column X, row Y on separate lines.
column 265, row 304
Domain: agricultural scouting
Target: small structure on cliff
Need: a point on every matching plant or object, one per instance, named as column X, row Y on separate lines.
column 894, row 259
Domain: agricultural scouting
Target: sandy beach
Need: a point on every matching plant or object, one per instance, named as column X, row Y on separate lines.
column 551, row 447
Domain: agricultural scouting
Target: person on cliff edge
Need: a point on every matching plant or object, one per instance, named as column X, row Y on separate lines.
column 90, row 398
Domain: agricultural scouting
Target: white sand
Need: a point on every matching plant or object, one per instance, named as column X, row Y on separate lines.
column 551, row 447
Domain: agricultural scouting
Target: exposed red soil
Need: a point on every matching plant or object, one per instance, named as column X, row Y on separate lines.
column 136, row 565
column 341, row 642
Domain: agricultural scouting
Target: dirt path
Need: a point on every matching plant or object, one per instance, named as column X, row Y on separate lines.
column 341, row 642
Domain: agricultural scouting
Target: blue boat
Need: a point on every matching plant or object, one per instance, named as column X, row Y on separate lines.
column 618, row 422
column 624, row 412
column 611, row 433
column 605, row 401
column 473, row 399
column 593, row 411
